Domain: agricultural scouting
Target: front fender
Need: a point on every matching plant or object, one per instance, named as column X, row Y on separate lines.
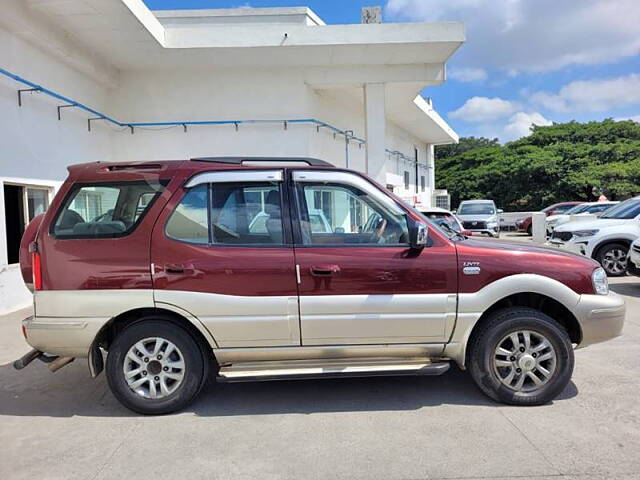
column 471, row 306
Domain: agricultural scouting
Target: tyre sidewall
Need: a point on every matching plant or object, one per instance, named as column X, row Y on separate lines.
column 193, row 359
column 481, row 362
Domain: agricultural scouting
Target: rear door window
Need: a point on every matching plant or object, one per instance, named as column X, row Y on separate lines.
column 104, row 210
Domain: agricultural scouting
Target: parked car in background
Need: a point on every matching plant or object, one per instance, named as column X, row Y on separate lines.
column 442, row 217
column 606, row 239
column 587, row 210
column 179, row 286
column 633, row 262
column 524, row 224
column 479, row 216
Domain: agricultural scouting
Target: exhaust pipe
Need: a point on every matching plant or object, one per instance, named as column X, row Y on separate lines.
column 60, row 362
column 26, row 359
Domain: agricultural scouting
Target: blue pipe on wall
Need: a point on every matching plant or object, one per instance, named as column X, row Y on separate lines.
column 113, row 121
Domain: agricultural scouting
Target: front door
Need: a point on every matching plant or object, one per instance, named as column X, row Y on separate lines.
column 222, row 252
column 359, row 282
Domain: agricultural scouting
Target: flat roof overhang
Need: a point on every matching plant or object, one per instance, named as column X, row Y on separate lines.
column 124, row 35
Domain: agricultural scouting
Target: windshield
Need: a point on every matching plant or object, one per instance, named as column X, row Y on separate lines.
column 476, row 209
column 578, row 209
column 440, row 218
column 625, row 210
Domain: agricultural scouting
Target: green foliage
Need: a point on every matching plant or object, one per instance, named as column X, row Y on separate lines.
column 556, row 163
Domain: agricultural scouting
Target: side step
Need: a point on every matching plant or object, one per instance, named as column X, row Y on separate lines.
column 305, row 369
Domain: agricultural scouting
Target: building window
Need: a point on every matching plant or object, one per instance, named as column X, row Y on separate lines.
column 406, row 180
column 22, row 203
column 423, row 183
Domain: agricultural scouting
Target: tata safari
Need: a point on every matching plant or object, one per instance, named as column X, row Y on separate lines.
column 160, row 274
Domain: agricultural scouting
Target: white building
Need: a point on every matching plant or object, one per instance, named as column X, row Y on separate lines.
column 181, row 84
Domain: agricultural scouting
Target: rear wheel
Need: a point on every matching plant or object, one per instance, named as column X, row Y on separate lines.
column 155, row 367
column 520, row 356
column 613, row 258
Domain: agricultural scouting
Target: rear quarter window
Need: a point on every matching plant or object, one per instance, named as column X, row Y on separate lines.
column 104, row 210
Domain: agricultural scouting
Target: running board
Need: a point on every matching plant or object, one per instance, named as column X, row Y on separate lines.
column 297, row 370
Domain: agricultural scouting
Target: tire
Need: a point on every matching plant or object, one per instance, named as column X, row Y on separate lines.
column 156, row 334
column 613, row 258
column 496, row 332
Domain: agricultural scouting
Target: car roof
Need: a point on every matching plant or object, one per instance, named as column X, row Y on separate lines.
column 477, row 201
column 433, row 210
column 167, row 169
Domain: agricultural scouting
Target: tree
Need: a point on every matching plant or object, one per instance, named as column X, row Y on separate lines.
column 560, row 162
column 465, row 144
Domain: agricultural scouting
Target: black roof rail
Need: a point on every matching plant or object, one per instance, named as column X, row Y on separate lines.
column 312, row 162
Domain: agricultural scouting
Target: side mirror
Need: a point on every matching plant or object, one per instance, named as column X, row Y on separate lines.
column 500, row 211
column 454, row 211
column 418, row 234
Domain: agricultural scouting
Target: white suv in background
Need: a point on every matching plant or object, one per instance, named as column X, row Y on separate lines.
column 480, row 216
column 606, row 239
column 585, row 211
column 633, row 263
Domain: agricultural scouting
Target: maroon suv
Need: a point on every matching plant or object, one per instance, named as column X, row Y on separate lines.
column 524, row 224
column 167, row 273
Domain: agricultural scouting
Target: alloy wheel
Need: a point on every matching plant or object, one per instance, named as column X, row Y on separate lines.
column 524, row 361
column 614, row 261
column 154, row 368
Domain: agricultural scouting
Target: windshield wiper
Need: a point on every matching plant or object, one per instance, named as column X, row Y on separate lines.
column 452, row 231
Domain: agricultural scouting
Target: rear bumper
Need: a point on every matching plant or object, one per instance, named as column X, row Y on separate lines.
column 66, row 337
column 601, row 317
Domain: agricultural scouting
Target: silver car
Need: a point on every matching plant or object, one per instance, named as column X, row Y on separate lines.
column 480, row 216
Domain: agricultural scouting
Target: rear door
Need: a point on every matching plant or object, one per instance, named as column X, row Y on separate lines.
column 222, row 250
column 359, row 281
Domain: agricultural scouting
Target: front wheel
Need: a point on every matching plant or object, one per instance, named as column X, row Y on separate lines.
column 520, row 356
column 613, row 258
column 155, row 367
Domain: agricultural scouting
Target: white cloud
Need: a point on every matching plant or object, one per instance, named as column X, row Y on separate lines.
column 483, row 109
column 534, row 36
column 520, row 124
column 467, row 74
column 592, row 95
column 635, row 118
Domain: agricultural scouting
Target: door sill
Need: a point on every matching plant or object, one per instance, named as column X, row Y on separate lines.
column 306, row 369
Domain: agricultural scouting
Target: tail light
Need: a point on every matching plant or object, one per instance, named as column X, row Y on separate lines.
column 36, row 267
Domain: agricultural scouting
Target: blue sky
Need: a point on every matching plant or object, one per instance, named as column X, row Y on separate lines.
column 524, row 61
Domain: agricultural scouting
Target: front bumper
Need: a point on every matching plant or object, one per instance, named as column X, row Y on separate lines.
column 581, row 247
column 601, row 317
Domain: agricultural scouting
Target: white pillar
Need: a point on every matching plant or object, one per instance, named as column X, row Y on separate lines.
column 538, row 227
column 431, row 167
column 4, row 259
column 375, row 119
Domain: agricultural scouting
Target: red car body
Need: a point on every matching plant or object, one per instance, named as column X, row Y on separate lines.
column 524, row 224
column 123, row 263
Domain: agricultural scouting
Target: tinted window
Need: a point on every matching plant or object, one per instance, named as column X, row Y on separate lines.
column 104, row 210
column 189, row 221
column 625, row 210
column 354, row 217
column 476, row 209
column 235, row 214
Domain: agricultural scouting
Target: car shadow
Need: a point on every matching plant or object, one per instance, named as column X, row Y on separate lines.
column 34, row 391
column 629, row 289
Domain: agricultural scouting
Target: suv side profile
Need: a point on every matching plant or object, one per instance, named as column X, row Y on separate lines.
column 177, row 283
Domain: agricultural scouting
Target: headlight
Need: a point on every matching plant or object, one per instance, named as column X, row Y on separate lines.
column 585, row 233
column 552, row 222
column 600, row 281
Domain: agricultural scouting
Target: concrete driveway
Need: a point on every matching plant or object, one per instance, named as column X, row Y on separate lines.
column 68, row 426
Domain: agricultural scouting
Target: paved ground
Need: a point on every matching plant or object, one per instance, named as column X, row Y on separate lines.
column 68, row 426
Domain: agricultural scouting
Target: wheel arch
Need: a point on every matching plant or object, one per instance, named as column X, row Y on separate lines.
column 525, row 291
column 607, row 241
column 118, row 323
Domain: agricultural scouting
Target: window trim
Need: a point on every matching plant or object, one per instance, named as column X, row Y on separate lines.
column 80, row 185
